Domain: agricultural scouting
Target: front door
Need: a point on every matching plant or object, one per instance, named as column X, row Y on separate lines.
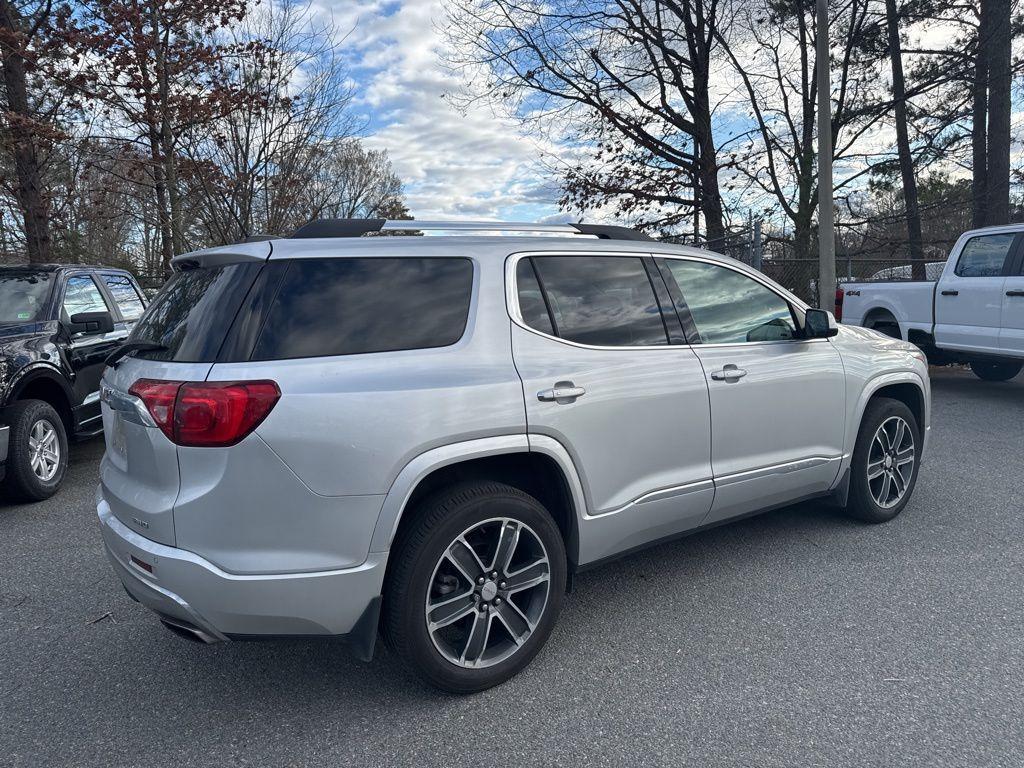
column 969, row 302
column 600, row 377
column 88, row 351
column 778, row 402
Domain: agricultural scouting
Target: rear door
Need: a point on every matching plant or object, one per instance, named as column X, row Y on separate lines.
column 600, row 376
column 1011, row 334
column 778, row 402
column 190, row 317
column 969, row 298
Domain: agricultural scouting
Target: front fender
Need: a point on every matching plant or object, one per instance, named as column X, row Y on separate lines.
column 871, row 387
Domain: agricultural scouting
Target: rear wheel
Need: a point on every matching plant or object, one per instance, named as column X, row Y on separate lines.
column 885, row 461
column 476, row 588
column 996, row 371
column 37, row 452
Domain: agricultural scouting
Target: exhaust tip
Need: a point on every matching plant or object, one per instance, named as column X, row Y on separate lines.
column 188, row 631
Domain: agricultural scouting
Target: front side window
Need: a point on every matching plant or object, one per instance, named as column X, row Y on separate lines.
column 349, row 306
column 83, row 295
column 984, row 256
column 730, row 308
column 604, row 301
column 125, row 295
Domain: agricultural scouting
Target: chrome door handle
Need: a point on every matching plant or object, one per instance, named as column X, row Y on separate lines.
column 563, row 392
column 728, row 373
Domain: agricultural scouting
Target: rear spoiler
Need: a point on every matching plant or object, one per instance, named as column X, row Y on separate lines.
column 222, row 255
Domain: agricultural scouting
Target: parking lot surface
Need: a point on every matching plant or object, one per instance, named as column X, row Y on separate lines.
column 795, row 638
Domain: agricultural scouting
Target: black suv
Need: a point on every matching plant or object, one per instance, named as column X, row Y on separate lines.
column 57, row 326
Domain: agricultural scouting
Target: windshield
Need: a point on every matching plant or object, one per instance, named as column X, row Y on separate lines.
column 23, row 295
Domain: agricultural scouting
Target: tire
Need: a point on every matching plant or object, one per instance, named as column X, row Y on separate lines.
column 996, row 371
column 478, row 513
column 865, row 494
column 889, row 329
column 27, row 479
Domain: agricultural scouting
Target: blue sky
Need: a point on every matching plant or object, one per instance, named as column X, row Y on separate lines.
column 454, row 165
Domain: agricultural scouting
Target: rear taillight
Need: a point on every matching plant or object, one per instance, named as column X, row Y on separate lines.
column 207, row 413
column 839, row 304
column 158, row 397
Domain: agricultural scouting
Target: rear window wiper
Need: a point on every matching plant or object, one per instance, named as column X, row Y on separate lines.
column 132, row 346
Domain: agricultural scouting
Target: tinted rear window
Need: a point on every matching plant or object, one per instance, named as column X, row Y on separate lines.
column 349, row 306
column 192, row 313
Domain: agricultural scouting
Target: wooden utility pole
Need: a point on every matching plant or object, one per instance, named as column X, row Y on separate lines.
column 826, row 225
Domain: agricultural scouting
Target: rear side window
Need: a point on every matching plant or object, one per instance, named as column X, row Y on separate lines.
column 531, row 301
column 604, row 301
column 349, row 306
column 127, row 298
column 984, row 256
column 191, row 314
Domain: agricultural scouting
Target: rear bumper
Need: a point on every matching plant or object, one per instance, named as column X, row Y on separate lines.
column 187, row 590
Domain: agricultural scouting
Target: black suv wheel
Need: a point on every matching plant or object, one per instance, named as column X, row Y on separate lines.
column 476, row 587
column 37, row 454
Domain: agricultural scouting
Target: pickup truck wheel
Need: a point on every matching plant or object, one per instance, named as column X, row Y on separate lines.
column 889, row 329
column 37, row 456
column 476, row 586
column 996, row 371
column 885, row 461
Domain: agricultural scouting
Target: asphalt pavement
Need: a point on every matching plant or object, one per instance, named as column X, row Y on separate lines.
column 797, row 638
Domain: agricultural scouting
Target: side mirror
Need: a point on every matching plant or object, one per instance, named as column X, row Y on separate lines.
column 91, row 322
column 819, row 324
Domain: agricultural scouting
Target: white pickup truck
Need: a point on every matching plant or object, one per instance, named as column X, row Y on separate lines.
column 973, row 313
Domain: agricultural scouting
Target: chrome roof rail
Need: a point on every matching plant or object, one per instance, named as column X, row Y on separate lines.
column 359, row 227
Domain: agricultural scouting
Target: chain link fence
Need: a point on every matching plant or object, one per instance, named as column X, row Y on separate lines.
column 800, row 275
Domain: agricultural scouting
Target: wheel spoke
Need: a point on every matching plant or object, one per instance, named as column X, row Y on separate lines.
column 507, row 542
column 515, row 621
column 529, row 576
column 34, row 464
column 906, row 456
column 901, row 427
column 900, row 483
column 883, row 493
column 882, row 436
column 476, row 643
column 875, row 468
column 462, row 556
column 450, row 610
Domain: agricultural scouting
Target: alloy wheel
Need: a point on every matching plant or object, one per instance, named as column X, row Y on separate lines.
column 488, row 591
column 891, row 462
column 44, row 450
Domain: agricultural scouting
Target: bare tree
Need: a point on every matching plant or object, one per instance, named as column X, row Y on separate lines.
column 626, row 80
column 899, row 95
column 20, row 25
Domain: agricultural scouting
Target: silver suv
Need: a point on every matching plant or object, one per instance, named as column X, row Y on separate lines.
column 329, row 435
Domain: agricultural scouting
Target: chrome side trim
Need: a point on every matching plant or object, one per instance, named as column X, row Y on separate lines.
column 659, row 495
column 776, row 469
column 91, row 398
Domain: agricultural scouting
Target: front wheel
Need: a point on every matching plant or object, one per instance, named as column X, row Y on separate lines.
column 476, row 586
column 996, row 371
column 38, row 450
column 885, row 461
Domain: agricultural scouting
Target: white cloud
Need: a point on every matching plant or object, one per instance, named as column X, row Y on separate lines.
column 454, row 165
